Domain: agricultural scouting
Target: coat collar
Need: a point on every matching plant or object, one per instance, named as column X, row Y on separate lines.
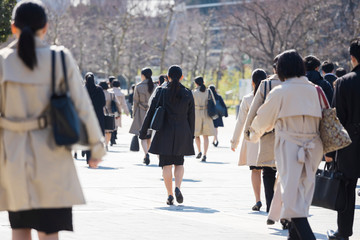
column 357, row 68
column 297, row 80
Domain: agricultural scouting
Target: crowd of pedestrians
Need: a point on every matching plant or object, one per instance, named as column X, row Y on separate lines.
column 277, row 129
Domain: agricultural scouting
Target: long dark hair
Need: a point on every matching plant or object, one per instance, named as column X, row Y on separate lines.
column 29, row 17
column 213, row 89
column 257, row 76
column 200, row 81
column 148, row 73
column 175, row 73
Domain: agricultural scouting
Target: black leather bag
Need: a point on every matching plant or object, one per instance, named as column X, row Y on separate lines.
column 67, row 127
column 134, row 146
column 211, row 107
column 109, row 122
column 159, row 116
column 114, row 108
column 330, row 189
column 220, row 109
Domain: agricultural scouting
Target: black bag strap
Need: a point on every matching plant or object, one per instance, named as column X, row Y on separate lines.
column 53, row 70
column 265, row 83
column 64, row 70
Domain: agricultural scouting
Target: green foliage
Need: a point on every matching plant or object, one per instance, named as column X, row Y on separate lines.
column 6, row 7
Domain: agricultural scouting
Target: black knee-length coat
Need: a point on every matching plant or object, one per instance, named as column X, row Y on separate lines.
column 347, row 103
column 176, row 136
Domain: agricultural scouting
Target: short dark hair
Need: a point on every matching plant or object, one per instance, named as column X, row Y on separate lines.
column 290, row 64
column 327, row 66
column 104, row 85
column 340, row 72
column 275, row 61
column 355, row 48
column 115, row 83
column 311, row 63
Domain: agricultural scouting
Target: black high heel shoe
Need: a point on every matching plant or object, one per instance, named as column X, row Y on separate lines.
column 178, row 195
column 285, row 224
column 170, row 200
column 257, row 206
column 203, row 159
column 216, row 143
column 199, row 155
column 147, row 159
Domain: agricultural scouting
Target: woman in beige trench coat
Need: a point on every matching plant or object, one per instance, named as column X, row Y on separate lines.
column 249, row 150
column 38, row 184
column 293, row 109
column 204, row 125
column 142, row 93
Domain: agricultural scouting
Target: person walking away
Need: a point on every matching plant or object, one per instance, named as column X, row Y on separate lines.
column 130, row 100
column 204, row 125
column 163, row 81
column 108, row 111
column 142, row 93
column 265, row 157
column 218, row 122
column 312, row 65
column 121, row 98
column 175, row 138
column 347, row 103
column 248, row 150
column 34, row 170
column 290, row 109
column 327, row 68
column 340, row 72
column 97, row 97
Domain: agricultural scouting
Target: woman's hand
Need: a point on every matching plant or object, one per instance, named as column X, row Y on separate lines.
column 328, row 159
column 233, row 149
column 93, row 162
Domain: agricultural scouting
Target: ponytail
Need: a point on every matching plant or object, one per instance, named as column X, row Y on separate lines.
column 147, row 74
column 200, row 81
column 150, row 85
column 29, row 17
column 175, row 73
column 26, row 47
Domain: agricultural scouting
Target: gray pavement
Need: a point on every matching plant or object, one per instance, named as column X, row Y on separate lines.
column 126, row 200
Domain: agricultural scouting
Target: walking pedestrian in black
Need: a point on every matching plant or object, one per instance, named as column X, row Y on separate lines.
column 218, row 122
column 347, row 103
column 175, row 138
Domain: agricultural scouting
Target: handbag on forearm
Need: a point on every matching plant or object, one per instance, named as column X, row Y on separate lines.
column 67, row 127
column 332, row 133
column 158, row 119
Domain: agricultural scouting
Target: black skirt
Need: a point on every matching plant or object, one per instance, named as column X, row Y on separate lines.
column 51, row 220
column 170, row 160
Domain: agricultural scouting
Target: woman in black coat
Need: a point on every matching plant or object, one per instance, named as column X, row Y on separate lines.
column 98, row 101
column 175, row 138
column 218, row 122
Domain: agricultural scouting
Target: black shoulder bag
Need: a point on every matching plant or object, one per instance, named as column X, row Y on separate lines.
column 67, row 126
column 158, row 119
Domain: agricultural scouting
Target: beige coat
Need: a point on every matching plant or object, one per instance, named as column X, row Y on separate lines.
column 140, row 106
column 248, row 150
column 265, row 155
column 34, row 171
column 204, row 124
column 293, row 108
column 121, row 98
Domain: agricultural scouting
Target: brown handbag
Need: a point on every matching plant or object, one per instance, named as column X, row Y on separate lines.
column 332, row 133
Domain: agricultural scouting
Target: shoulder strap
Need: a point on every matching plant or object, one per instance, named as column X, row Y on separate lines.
column 53, row 70
column 64, row 70
column 322, row 97
column 269, row 85
column 212, row 96
column 265, row 83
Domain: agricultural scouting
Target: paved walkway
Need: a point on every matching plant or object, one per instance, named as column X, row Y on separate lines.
column 126, row 200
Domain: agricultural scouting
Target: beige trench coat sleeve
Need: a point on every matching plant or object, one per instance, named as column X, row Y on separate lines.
column 123, row 104
column 266, row 116
column 136, row 99
column 81, row 100
column 243, row 111
column 255, row 105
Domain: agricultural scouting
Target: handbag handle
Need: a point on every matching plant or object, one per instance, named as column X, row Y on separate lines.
column 322, row 97
column 212, row 96
column 53, row 70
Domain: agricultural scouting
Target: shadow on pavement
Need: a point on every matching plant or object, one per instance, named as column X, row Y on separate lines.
column 188, row 209
column 258, row 213
column 216, row 162
column 279, row 232
column 104, row 168
column 320, row 236
column 184, row 180
column 150, row 165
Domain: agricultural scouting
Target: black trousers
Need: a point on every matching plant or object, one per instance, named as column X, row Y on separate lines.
column 269, row 182
column 345, row 219
column 299, row 229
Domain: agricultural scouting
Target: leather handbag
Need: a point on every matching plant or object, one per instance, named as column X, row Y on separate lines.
column 114, row 108
column 67, row 127
column 220, row 109
column 134, row 146
column 330, row 189
column 333, row 135
column 211, row 106
column 159, row 116
column 109, row 121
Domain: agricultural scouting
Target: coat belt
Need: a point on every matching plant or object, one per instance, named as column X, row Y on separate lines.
column 24, row 125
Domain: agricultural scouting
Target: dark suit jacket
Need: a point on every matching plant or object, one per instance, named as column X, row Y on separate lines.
column 177, row 133
column 347, row 103
column 315, row 78
column 330, row 78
